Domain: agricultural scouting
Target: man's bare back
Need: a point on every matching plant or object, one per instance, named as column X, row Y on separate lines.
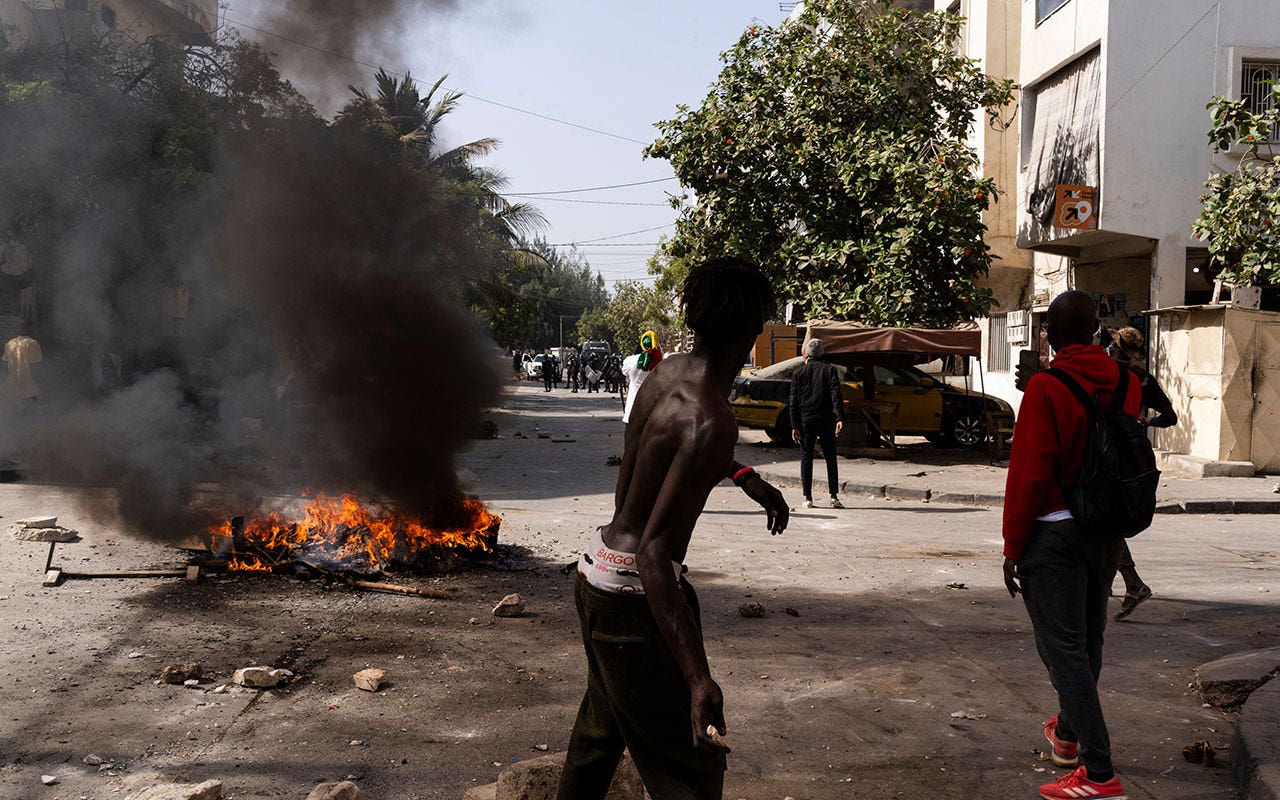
column 681, row 418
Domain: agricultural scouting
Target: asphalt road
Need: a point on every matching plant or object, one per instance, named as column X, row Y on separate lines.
column 857, row 696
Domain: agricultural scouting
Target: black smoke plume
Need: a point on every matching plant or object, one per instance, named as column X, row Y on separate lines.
column 233, row 302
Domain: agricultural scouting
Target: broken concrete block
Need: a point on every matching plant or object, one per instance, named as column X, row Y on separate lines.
column 48, row 780
column 209, row 790
column 1229, row 681
column 752, row 610
column 369, row 679
column 538, row 779
column 38, row 522
column 261, row 677
column 510, row 606
column 53, row 534
column 346, row 790
column 182, row 672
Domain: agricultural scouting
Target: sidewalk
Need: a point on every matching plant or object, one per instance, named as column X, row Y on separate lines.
column 923, row 473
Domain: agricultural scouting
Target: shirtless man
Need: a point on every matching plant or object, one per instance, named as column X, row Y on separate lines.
column 648, row 686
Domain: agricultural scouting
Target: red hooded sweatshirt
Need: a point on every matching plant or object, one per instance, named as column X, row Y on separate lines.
column 1051, row 414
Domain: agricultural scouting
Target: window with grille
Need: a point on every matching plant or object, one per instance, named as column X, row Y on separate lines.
column 77, row 5
column 1258, row 80
column 998, row 344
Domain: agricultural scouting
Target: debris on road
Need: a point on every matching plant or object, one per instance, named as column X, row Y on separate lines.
column 1200, row 753
column 613, row 461
column 752, row 610
column 48, row 780
column 261, row 677
column 92, row 760
column 790, row 612
column 43, row 533
column 182, row 672
column 967, row 715
column 510, row 606
column 346, row 790
column 209, row 790
column 369, row 679
column 956, row 585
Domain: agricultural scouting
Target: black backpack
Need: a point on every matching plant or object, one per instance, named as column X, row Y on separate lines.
column 1116, row 493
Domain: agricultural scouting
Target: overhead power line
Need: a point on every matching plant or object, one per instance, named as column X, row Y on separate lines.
column 596, row 188
column 1163, row 56
column 615, row 236
column 578, row 200
column 516, row 109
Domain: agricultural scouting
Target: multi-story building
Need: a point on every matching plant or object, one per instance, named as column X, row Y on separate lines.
column 1112, row 163
column 188, row 21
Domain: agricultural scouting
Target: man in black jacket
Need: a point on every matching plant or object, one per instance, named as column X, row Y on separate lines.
column 817, row 416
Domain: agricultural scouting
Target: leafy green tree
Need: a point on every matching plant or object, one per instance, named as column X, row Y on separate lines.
column 832, row 149
column 541, row 294
column 1241, row 214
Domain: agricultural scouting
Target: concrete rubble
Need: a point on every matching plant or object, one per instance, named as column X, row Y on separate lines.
column 182, row 672
column 42, row 529
column 369, row 680
column 510, row 606
column 538, row 779
column 261, row 677
column 209, row 790
column 345, row 790
column 1228, row 681
column 752, row 610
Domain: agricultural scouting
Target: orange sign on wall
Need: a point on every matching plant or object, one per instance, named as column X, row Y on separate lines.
column 1076, row 208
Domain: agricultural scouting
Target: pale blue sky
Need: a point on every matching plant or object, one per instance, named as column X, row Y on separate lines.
column 614, row 66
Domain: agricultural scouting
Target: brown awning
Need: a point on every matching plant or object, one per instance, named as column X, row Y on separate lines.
column 850, row 337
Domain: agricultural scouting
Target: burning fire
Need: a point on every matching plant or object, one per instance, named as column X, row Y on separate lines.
column 344, row 532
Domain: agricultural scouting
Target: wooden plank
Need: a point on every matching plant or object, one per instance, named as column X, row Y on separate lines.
column 129, row 573
column 193, row 573
column 52, row 577
column 393, row 588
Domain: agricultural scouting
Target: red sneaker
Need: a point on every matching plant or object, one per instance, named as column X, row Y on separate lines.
column 1065, row 754
column 1077, row 786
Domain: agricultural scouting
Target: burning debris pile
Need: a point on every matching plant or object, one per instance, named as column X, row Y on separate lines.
column 340, row 535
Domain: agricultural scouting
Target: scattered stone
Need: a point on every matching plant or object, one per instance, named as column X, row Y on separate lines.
column 48, row 780
column 261, row 677
column 355, row 742
column 190, row 682
column 543, row 747
column 544, row 435
column 220, row 689
column 54, row 534
column 369, row 679
column 473, row 621
column 346, row 790
column 1200, row 753
column 956, row 585
column 209, row 790
column 790, row 612
column 488, row 429
column 967, row 715
column 510, row 606
column 38, row 522
column 752, row 610
column 135, row 654
column 613, row 461
column 1228, row 681
column 538, row 778
column 92, row 760
column 487, row 792
column 181, row 672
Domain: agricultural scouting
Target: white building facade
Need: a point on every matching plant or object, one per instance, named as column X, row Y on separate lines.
column 191, row 22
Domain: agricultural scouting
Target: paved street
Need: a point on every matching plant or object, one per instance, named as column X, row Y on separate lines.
column 886, row 682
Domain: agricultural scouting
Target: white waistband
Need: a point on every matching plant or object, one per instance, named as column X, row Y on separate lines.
column 613, row 570
column 1055, row 516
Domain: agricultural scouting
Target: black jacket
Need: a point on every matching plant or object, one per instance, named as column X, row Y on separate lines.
column 815, row 395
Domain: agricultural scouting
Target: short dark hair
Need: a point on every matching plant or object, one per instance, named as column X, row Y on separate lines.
column 725, row 298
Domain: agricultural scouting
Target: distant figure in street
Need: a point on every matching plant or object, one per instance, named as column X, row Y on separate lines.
column 517, row 361
column 817, row 417
column 1063, row 569
column 548, row 371
column 636, row 368
column 1128, row 346
column 572, row 369
column 649, row 688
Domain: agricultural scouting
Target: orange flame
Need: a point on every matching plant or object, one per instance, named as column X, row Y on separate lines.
column 329, row 522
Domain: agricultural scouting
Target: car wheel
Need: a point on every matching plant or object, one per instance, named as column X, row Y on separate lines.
column 968, row 430
column 780, row 431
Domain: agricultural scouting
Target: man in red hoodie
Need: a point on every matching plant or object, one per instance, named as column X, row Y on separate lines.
column 1063, row 570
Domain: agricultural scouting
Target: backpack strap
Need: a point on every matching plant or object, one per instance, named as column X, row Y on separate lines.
column 1088, row 402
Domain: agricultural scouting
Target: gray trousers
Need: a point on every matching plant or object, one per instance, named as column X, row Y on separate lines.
column 1066, row 583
